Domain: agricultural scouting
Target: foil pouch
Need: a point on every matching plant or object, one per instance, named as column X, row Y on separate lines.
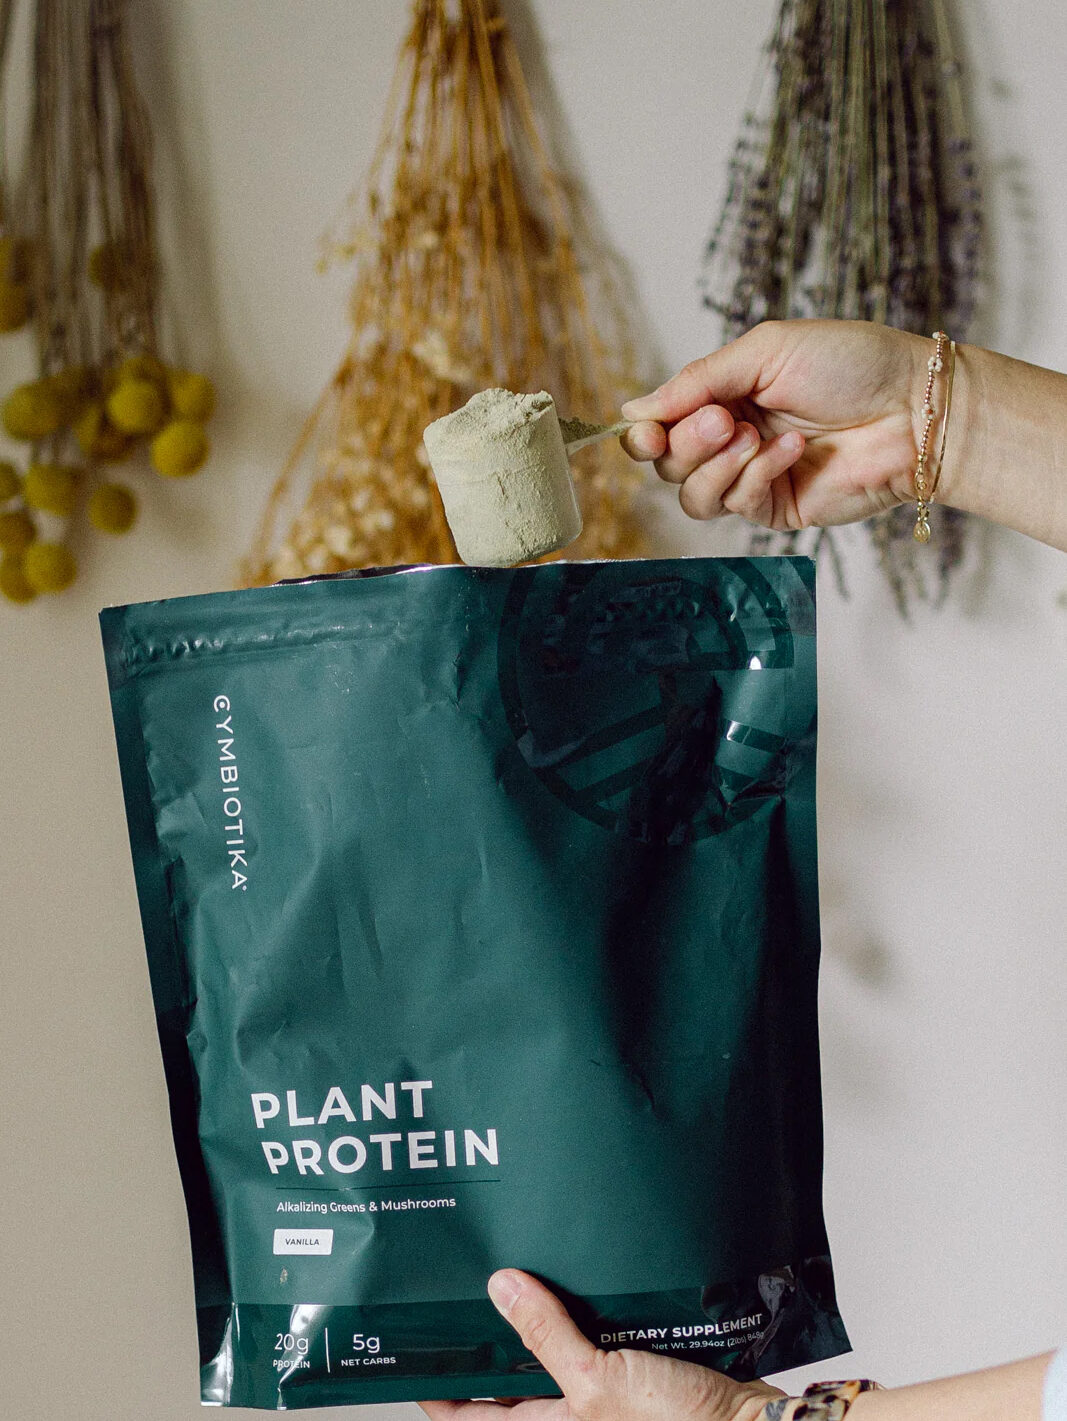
column 482, row 925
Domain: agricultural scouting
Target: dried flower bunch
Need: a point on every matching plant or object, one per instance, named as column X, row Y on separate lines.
column 468, row 275
column 853, row 192
column 80, row 252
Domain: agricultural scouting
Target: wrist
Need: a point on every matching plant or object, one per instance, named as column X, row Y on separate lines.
column 861, row 1408
column 1004, row 458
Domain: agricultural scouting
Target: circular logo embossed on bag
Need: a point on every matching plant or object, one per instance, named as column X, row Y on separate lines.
column 653, row 699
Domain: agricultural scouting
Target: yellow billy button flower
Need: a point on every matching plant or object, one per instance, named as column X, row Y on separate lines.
column 53, row 488
column 136, row 407
column 97, row 438
column 72, row 384
column 142, row 367
column 49, row 567
column 17, row 531
column 112, row 508
column 33, row 411
column 14, row 305
column 179, row 449
column 10, row 483
column 13, row 584
column 191, row 395
column 108, row 265
column 16, row 254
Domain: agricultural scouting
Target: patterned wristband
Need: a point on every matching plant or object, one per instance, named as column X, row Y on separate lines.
column 822, row 1401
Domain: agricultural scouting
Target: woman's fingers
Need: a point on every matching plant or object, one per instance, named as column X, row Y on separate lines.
column 622, row 1385
column 645, row 441
column 722, row 466
column 539, row 1408
column 727, row 374
column 462, row 1410
column 547, row 1330
column 545, row 1327
column 686, row 445
column 693, row 441
column 752, row 493
column 739, row 478
column 701, row 493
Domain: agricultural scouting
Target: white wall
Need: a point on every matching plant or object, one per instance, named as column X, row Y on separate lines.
column 942, row 754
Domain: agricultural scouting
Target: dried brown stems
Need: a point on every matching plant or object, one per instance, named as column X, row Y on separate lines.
column 467, row 276
column 89, row 189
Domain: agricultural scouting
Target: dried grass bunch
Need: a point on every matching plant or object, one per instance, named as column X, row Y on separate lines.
column 467, row 275
column 853, row 192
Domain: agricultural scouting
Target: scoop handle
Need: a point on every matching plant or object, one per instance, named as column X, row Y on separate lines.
column 578, row 433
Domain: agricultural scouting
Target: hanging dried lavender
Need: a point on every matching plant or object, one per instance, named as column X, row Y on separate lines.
column 853, row 192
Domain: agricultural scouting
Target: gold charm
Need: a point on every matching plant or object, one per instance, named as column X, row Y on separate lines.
column 922, row 528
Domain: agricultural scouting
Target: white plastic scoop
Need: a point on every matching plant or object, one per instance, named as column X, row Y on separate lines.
column 501, row 463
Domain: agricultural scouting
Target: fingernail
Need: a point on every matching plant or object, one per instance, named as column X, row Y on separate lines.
column 641, row 408
column 713, row 423
column 793, row 442
column 504, row 1288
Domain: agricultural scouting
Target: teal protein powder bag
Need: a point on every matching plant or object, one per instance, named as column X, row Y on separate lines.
column 481, row 915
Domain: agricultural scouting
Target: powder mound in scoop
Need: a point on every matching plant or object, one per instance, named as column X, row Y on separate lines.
column 491, row 414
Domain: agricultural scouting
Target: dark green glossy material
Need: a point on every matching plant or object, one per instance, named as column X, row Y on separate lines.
column 482, row 925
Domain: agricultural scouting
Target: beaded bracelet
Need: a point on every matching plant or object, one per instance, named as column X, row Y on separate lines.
column 822, row 1401
column 924, row 497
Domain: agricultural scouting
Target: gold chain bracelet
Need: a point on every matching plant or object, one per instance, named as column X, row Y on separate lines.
column 926, row 490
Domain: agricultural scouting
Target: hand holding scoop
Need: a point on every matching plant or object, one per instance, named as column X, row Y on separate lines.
column 501, row 463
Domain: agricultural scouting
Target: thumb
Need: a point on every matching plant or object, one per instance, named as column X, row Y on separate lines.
column 545, row 1327
column 730, row 373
